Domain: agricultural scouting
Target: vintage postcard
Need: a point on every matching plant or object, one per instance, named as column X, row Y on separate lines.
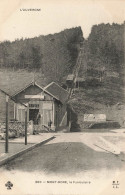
column 62, row 97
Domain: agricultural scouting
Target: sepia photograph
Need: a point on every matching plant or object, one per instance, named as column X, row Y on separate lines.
column 62, row 97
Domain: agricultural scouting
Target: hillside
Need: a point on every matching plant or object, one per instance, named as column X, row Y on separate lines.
column 53, row 55
column 102, row 58
column 104, row 48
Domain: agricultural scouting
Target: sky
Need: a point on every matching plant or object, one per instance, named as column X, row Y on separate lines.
column 55, row 16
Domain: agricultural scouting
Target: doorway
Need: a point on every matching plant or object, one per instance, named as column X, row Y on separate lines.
column 33, row 115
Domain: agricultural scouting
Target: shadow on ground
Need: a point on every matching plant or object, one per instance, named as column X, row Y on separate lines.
column 66, row 158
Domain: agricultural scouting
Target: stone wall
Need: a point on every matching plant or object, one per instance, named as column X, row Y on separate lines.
column 16, row 129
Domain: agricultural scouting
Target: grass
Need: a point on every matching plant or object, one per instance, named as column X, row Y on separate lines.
column 105, row 99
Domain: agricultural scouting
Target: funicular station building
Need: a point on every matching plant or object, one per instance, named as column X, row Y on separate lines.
column 44, row 105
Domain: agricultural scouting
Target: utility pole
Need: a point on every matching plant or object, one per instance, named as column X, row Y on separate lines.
column 6, row 143
column 25, row 126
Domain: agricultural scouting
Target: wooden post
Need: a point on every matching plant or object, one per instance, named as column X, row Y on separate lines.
column 25, row 127
column 6, row 143
column 56, row 118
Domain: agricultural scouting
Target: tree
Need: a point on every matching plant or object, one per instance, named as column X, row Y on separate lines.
column 36, row 57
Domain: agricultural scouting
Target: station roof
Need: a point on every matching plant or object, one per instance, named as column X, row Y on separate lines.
column 13, row 85
column 57, row 91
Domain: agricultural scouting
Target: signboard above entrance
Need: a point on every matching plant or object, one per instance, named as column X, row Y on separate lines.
column 39, row 96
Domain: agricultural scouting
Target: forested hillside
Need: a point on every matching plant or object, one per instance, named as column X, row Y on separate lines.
column 102, row 56
column 54, row 55
column 104, row 49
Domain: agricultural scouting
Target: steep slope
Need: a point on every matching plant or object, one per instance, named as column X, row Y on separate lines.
column 54, row 55
column 104, row 48
column 102, row 60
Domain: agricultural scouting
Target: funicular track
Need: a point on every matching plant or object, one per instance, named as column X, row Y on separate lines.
column 76, row 71
column 71, row 115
